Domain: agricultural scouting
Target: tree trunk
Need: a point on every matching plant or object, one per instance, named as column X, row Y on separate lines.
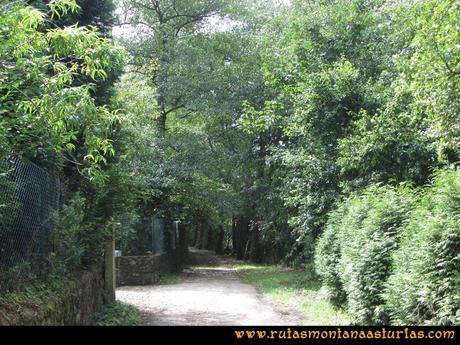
column 161, row 123
column 162, row 80
column 234, row 239
column 195, row 237
column 109, row 270
column 241, row 237
column 220, row 240
column 203, row 237
column 210, row 239
column 255, row 254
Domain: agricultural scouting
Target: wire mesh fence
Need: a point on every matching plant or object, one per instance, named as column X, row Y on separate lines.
column 152, row 235
column 158, row 235
column 29, row 196
column 29, row 200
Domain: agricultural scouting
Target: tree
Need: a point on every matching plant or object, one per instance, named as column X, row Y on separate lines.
column 169, row 30
column 42, row 111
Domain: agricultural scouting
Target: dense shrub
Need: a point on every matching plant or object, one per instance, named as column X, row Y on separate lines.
column 389, row 257
column 354, row 253
column 425, row 285
column 116, row 314
column 348, row 214
column 77, row 241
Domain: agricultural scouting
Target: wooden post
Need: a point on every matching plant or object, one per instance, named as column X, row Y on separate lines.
column 109, row 271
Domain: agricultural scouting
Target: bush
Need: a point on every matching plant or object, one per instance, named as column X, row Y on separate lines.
column 80, row 232
column 425, row 285
column 328, row 250
column 116, row 314
column 366, row 259
column 354, row 253
column 69, row 234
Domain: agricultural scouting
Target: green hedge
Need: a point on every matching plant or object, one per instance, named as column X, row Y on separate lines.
column 349, row 214
column 354, row 254
column 425, row 285
column 391, row 255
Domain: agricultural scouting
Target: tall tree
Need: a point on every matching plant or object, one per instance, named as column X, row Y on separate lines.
column 167, row 29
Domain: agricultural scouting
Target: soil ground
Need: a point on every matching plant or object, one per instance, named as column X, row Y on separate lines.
column 211, row 293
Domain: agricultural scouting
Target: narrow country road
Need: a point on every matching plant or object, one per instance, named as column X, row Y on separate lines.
column 212, row 293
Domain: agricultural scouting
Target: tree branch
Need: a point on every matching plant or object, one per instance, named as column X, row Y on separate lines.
column 22, row 93
column 175, row 108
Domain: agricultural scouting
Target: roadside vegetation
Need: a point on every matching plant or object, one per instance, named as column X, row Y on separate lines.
column 116, row 314
column 294, row 289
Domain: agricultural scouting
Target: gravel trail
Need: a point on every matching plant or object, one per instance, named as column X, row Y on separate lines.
column 212, row 293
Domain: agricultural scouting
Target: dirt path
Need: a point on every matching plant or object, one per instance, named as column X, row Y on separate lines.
column 212, row 293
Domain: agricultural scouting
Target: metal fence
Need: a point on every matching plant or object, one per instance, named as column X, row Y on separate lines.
column 28, row 198
column 152, row 235
column 157, row 230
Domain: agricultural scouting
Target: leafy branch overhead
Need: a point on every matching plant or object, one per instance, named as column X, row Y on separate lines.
column 41, row 73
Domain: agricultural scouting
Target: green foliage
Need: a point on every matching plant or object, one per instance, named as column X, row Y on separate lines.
column 367, row 254
column 78, row 239
column 431, row 72
column 324, row 105
column 97, row 13
column 116, row 314
column 295, row 289
column 191, row 177
column 354, row 254
column 49, row 75
column 347, row 107
column 42, row 110
column 37, row 293
column 387, row 147
column 171, row 278
column 17, row 277
column 328, row 249
column 391, row 256
column 59, row 8
column 69, row 232
column 417, row 123
column 6, row 190
column 425, row 285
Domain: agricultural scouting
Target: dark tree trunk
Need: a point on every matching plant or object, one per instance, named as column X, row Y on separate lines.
column 210, row 239
column 241, row 237
column 234, row 239
column 161, row 124
column 255, row 251
column 162, row 79
column 195, row 237
column 203, row 237
column 220, row 240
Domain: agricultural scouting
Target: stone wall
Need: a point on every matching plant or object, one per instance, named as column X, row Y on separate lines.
column 145, row 269
column 73, row 304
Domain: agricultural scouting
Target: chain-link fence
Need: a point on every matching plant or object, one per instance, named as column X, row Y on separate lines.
column 151, row 235
column 28, row 198
column 157, row 230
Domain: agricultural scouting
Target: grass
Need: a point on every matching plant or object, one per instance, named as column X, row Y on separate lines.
column 116, row 314
column 295, row 289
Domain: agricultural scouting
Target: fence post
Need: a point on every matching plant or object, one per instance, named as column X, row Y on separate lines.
column 109, row 270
